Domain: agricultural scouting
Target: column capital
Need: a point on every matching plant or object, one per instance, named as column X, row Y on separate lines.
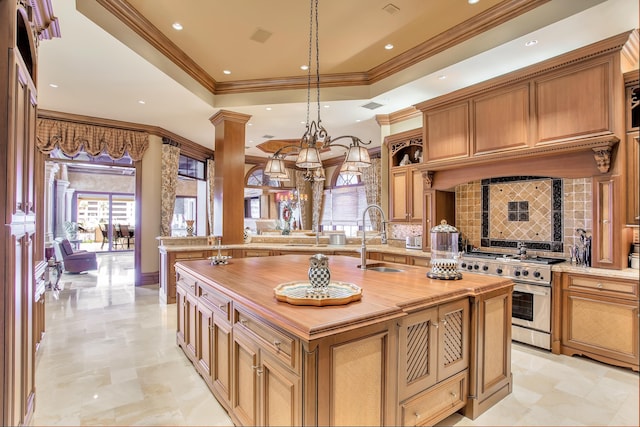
column 229, row 116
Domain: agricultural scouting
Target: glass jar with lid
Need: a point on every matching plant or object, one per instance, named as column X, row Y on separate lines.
column 444, row 252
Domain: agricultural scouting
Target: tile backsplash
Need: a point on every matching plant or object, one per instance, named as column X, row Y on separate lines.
column 543, row 212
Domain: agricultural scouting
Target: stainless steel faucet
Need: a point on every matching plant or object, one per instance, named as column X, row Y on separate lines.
column 383, row 237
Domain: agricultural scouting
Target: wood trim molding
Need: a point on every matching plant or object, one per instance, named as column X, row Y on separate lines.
column 151, row 278
column 403, row 136
column 398, row 116
column 46, row 24
column 497, row 15
column 598, row 49
column 126, row 13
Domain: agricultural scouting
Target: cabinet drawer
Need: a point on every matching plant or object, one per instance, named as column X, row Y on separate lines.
column 436, row 403
column 221, row 304
column 191, row 255
column 401, row 259
column 248, row 253
column 623, row 288
column 187, row 283
column 281, row 345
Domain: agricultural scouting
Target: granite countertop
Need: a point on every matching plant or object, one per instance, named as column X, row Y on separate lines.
column 627, row 273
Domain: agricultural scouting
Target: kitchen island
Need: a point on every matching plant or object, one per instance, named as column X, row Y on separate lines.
column 412, row 351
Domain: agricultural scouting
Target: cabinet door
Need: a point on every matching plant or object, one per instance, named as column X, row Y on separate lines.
column 633, row 178
column 191, row 322
column 416, row 195
column 205, row 339
column 601, row 326
column 181, row 310
column 245, row 379
column 418, row 352
column 221, row 361
column 281, row 394
column 453, row 338
column 604, row 250
column 398, row 197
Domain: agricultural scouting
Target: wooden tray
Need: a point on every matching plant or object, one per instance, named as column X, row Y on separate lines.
column 297, row 293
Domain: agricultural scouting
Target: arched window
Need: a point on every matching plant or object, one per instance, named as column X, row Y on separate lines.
column 344, row 202
column 257, row 178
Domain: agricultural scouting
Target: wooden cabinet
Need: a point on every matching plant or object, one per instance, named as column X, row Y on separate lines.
column 606, row 222
column 433, row 346
column 405, row 181
column 438, row 205
column 600, row 319
column 266, row 379
column 405, row 194
column 632, row 155
column 168, row 272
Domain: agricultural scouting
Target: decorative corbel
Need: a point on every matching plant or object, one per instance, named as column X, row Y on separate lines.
column 602, row 156
column 428, row 178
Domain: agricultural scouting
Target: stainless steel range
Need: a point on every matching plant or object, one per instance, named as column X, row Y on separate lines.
column 531, row 313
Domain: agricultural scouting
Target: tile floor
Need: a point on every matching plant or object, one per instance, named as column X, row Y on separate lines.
column 109, row 358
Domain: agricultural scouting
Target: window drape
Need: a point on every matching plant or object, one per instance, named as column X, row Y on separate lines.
column 317, row 194
column 373, row 189
column 73, row 138
column 169, row 180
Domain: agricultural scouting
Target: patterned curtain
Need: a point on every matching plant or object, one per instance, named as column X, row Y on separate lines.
column 72, row 138
column 169, row 177
column 210, row 183
column 300, row 187
column 373, row 190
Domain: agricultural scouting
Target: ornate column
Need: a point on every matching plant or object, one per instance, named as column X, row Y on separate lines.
column 228, row 212
column 62, row 183
column 50, row 170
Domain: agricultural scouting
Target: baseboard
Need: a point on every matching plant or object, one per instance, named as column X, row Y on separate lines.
column 152, row 278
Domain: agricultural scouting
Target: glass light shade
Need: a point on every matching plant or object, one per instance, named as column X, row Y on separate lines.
column 309, row 158
column 350, row 169
column 358, row 156
column 276, row 169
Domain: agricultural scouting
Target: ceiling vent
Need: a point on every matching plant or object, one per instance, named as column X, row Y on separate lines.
column 372, row 105
column 391, row 9
column 260, row 35
column 267, row 136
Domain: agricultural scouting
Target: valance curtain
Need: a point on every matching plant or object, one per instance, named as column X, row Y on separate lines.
column 169, row 177
column 73, row 138
column 210, row 185
column 373, row 189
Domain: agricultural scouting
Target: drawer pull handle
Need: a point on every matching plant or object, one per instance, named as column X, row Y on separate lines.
column 205, row 294
column 436, row 325
column 243, row 322
column 277, row 344
column 221, row 306
column 417, row 415
column 599, row 285
column 453, row 394
column 257, row 369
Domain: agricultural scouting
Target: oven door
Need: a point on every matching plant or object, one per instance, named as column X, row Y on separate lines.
column 532, row 307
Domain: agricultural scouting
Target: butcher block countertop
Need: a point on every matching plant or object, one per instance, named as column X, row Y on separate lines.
column 251, row 282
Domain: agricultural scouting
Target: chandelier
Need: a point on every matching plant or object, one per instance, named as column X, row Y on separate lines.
column 316, row 137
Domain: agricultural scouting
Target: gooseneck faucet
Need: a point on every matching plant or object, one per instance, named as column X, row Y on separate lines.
column 383, row 237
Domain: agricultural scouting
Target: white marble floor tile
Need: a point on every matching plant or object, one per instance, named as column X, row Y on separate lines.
column 109, row 357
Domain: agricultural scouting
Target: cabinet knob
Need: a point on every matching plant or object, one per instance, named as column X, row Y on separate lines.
column 243, row 322
column 417, row 415
column 436, row 325
column 599, row 285
column 205, row 294
column 453, row 394
column 221, row 306
column 257, row 369
column 277, row 344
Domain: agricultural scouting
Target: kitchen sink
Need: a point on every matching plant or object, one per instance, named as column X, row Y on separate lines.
column 381, row 268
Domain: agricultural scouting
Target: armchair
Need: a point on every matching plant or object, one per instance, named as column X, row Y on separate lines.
column 74, row 262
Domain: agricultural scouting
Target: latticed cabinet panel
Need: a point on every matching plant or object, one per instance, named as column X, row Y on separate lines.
column 417, row 344
column 453, row 338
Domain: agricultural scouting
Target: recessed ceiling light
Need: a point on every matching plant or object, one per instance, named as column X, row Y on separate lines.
column 442, row 77
column 226, row 71
column 358, row 121
column 304, row 67
column 473, row 1
column 53, row 85
column 177, row 26
column 141, row 102
column 268, row 108
column 388, row 46
column 327, row 106
column 249, row 124
column 531, row 43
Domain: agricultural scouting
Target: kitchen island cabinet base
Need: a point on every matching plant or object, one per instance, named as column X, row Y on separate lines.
column 346, row 365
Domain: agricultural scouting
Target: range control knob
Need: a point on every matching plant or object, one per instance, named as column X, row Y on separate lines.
column 536, row 274
column 463, row 265
column 469, row 267
column 475, row 267
column 485, row 267
column 516, row 273
column 499, row 270
column 525, row 272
